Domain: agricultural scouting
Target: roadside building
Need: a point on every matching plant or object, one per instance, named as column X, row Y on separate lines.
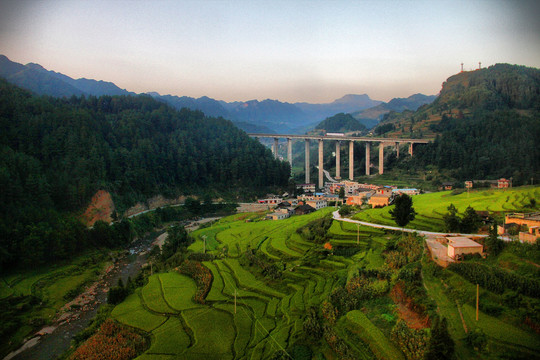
column 355, row 200
column 530, row 236
column 460, row 245
column 304, row 209
column 528, row 219
column 317, row 204
column 468, row 184
column 379, row 200
column 409, row 192
column 271, row 201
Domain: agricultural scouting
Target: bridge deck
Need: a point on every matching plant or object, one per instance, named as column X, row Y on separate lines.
column 344, row 138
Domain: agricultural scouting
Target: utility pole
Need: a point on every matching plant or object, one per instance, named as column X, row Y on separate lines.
column 357, row 234
column 235, row 301
column 204, row 244
column 477, row 299
column 151, row 269
column 461, row 67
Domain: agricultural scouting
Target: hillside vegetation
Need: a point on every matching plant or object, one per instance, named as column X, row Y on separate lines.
column 486, row 124
column 56, row 153
column 310, row 287
column 341, row 123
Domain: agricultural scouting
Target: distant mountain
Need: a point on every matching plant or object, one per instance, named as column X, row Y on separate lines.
column 44, row 82
column 347, row 104
column 341, row 123
column 272, row 115
column 371, row 116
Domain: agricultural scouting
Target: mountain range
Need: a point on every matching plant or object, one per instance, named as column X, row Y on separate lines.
column 267, row 116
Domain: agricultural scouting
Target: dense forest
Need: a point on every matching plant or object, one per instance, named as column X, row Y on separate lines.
column 486, row 123
column 56, row 153
column 341, row 123
column 488, row 145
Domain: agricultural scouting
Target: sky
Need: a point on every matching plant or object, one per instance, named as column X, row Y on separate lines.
column 292, row 51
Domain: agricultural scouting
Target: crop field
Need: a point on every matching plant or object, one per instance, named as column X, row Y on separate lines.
column 431, row 207
column 52, row 286
column 247, row 315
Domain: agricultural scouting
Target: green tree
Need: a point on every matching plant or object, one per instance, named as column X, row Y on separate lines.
column 441, row 346
column 342, row 192
column 403, row 211
column 451, row 220
column 470, row 221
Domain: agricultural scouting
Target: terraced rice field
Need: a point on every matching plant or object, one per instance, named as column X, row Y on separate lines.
column 431, row 207
column 245, row 317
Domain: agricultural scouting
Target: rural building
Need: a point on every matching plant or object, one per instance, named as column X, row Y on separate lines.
column 333, row 188
column 278, row 215
column 531, row 235
column 303, row 210
column 270, row 201
column 528, row 219
column 283, row 205
column 379, row 200
column 468, row 184
column 447, row 186
column 355, row 200
column 308, row 188
column 317, row 204
column 460, row 245
column 409, row 192
column 503, row 183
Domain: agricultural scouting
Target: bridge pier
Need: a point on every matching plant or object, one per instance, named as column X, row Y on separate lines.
column 351, row 160
column 368, row 158
column 289, row 151
column 381, row 158
column 321, row 172
column 276, row 142
column 338, row 160
column 307, row 161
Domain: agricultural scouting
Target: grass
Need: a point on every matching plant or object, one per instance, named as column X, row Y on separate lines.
column 431, row 207
column 169, row 338
column 178, row 290
column 131, row 312
column 359, row 324
column 152, row 294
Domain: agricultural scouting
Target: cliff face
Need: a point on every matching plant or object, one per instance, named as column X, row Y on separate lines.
column 101, row 208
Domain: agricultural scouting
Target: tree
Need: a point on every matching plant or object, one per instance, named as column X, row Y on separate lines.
column 342, row 192
column 441, row 345
column 470, row 221
column 451, row 219
column 403, row 211
column 493, row 244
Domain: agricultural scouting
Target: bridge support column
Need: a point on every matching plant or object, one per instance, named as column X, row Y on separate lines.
column 289, row 151
column 351, row 160
column 368, row 158
column 411, row 149
column 307, row 161
column 397, row 150
column 381, row 158
column 321, row 172
column 338, row 160
column 276, row 140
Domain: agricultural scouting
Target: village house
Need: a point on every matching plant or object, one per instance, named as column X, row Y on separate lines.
column 460, row 245
column 307, row 188
column 503, row 183
column 271, row 201
column 468, row 184
column 317, row 204
column 379, row 200
column 446, row 186
column 530, row 236
column 304, row 209
column 527, row 219
column 409, row 192
column 278, row 215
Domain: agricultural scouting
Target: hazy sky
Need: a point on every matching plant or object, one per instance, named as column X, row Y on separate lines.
column 313, row 51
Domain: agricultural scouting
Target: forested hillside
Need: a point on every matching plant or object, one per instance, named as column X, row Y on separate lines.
column 341, row 123
column 55, row 153
column 486, row 123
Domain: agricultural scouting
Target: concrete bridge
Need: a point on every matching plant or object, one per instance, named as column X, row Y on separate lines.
column 383, row 142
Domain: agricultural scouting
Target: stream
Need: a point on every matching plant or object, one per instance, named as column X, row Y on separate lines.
column 56, row 340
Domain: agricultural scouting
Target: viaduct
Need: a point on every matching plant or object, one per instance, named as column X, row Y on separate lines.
column 383, row 142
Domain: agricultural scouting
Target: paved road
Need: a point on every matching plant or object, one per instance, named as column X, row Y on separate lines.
column 420, row 232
